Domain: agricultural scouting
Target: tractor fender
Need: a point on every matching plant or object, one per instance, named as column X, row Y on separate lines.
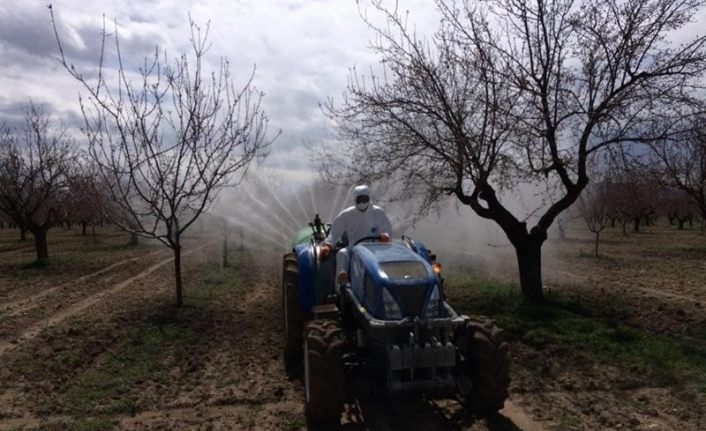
column 306, row 260
column 419, row 248
column 423, row 251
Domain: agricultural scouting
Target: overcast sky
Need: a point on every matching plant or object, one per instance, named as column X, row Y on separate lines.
column 303, row 51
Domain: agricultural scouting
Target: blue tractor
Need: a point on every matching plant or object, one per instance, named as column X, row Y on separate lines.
column 388, row 320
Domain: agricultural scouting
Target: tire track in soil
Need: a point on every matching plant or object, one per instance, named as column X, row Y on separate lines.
column 237, row 378
column 386, row 413
column 519, row 418
column 555, row 274
column 264, row 396
column 78, row 307
column 18, row 306
column 573, row 403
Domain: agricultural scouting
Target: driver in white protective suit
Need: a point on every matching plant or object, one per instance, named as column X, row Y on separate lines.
column 358, row 222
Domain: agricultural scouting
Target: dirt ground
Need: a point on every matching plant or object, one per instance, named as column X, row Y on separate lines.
column 657, row 279
column 93, row 342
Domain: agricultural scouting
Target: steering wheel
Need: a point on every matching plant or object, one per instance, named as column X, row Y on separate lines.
column 372, row 238
column 366, row 238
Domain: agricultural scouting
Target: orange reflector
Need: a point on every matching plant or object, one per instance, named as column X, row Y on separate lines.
column 437, row 268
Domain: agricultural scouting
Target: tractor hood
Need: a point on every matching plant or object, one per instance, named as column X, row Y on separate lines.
column 390, row 251
column 395, row 264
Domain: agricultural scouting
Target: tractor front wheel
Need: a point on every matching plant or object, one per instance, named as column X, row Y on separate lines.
column 293, row 317
column 324, row 377
column 482, row 367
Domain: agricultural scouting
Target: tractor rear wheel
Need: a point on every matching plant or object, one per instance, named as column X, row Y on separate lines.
column 293, row 317
column 324, row 377
column 482, row 368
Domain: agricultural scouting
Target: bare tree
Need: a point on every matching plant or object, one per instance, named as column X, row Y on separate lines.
column 5, row 220
column 684, row 160
column 678, row 207
column 85, row 201
column 511, row 92
column 634, row 192
column 168, row 143
column 34, row 162
column 594, row 208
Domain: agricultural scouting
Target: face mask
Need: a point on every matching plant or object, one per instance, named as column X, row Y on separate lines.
column 362, row 206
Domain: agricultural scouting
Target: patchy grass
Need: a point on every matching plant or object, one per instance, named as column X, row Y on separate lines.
column 593, row 329
column 67, row 252
column 111, row 386
column 294, row 422
column 602, row 257
column 107, row 385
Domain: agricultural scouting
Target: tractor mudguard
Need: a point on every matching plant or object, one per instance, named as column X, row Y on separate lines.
column 307, row 275
column 423, row 251
column 419, row 248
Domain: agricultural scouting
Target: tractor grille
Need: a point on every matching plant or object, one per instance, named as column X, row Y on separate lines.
column 412, row 299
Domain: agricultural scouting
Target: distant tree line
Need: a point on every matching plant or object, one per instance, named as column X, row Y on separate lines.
column 39, row 184
column 633, row 190
column 47, row 182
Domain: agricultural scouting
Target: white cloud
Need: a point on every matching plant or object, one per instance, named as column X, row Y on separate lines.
column 303, row 51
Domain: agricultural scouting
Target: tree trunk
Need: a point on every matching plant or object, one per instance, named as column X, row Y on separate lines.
column 40, row 244
column 134, row 239
column 84, row 225
column 529, row 261
column 93, row 231
column 597, row 239
column 636, row 224
column 625, row 232
column 681, row 224
column 23, row 233
column 177, row 275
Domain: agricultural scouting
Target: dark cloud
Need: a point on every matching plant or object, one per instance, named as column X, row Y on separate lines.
column 303, row 51
column 28, row 28
column 13, row 113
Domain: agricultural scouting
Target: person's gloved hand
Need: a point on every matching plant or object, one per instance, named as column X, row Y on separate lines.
column 384, row 237
column 324, row 251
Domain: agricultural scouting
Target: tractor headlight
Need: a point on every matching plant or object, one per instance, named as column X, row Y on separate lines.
column 432, row 309
column 392, row 309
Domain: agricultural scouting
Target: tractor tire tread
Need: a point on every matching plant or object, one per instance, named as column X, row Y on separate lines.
column 324, row 340
column 487, row 365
